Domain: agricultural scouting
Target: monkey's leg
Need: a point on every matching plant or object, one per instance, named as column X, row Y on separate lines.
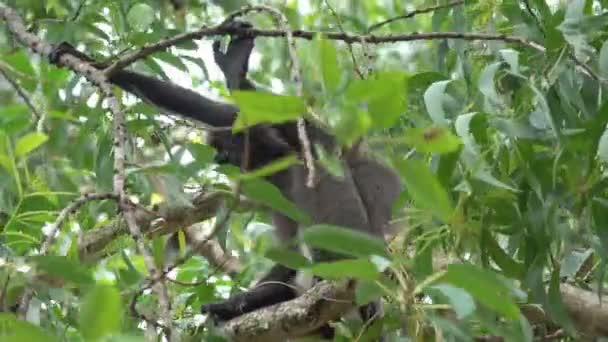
column 276, row 287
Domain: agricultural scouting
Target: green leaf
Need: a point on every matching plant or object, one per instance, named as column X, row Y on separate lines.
column 384, row 95
column 202, row 154
column 349, row 268
column 485, row 286
column 367, row 291
column 288, row 258
column 343, row 240
column 425, row 188
column 26, row 74
column 62, row 267
column 257, row 107
column 13, row 329
column 266, row 193
column 486, row 84
column 508, row 265
column 141, row 16
column 603, row 60
column 29, row 142
column 433, row 139
column 329, row 65
column 101, row 313
column 461, row 301
column 350, row 127
column 270, row 169
column 433, row 99
column 172, row 60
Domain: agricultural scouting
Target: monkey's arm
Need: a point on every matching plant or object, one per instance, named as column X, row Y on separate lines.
column 168, row 96
column 276, row 287
column 234, row 63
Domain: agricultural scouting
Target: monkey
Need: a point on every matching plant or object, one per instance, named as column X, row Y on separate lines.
column 361, row 200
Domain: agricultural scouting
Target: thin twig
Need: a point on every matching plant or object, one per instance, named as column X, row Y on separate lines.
column 415, row 13
column 26, row 99
column 350, row 45
column 136, row 314
column 69, row 210
column 17, row 28
column 586, row 68
column 221, row 29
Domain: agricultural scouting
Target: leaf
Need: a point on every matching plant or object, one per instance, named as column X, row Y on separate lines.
column 512, row 58
column 603, row 60
column 343, row 240
column 101, row 312
column 288, row 258
column 330, row 71
column 266, row 193
column 433, row 100
column 29, row 142
column 461, row 301
column 26, row 74
column 425, row 188
column 367, row 291
column 270, row 169
column 433, row 139
column 485, row 286
column 257, row 107
column 349, row 268
column 64, row 268
column 384, row 95
column 486, row 84
column 13, row 329
column 202, row 154
column 141, row 16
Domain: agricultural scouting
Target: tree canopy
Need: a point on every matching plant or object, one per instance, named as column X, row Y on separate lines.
column 492, row 112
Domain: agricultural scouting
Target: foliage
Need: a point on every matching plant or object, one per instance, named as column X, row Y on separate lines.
column 502, row 149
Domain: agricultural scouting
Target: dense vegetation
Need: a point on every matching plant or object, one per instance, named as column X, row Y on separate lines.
column 496, row 126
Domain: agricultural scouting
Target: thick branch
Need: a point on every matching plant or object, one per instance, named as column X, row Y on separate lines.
column 324, row 302
column 166, row 221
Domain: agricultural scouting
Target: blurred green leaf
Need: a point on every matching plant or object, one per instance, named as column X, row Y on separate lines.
column 425, row 188
column 258, row 107
column 330, row 70
column 350, row 268
column 288, row 258
column 29, row 142
column 461, row 301
column 141, row 16
column 101, row 313
column 63, row 268
column 343, row 240
column 13, row 329
column 485, row 286
column 432, row 139
column 267, row 194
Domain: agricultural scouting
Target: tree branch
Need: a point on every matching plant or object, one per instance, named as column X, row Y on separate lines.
column 324, row 302
column 17, row 28
column 50, row 238
column 415, row 13
column 24, row 96
column 166, row 221
column 350, row 38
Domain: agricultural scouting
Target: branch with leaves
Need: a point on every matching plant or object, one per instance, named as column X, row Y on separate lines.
column 96, row 77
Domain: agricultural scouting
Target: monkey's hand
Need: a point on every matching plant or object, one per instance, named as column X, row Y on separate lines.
column 234, row 63
column 223, row 311
column 67, row 48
